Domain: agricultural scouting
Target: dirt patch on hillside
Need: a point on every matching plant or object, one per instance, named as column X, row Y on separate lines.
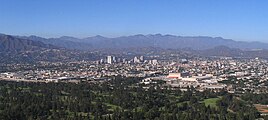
column 262, row 108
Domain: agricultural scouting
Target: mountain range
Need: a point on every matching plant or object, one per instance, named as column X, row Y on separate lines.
column 151, row 40
column 205, row 46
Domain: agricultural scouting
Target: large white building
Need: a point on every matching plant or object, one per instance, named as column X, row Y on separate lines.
column 136, row 60
column 109, row 60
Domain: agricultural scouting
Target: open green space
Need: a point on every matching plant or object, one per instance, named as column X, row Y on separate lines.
column 211, row 102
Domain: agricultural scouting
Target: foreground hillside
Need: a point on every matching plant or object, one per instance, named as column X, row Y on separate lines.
column 118, row 99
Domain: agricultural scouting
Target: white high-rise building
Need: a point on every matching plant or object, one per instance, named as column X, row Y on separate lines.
column 124, row 60
column 154, row 62
column 141, row 59
column 101, row 61
column 109, row 60
column 136, row 60
column 114, row 59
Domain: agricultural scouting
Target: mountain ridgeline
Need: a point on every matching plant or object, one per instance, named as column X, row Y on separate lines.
column 156, row 40
column 204, row 46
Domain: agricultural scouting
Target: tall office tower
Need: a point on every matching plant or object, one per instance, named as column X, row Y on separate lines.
column 124, row 60
column 141, row 59
column 109, row 60
column 114, row 59
column 101, row 61
column 136, row 60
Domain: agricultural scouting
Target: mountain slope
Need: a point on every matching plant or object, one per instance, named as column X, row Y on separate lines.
column 232, row 52
column 65, row 42
column 19, row 50
column 221, row 51
column 12, row 44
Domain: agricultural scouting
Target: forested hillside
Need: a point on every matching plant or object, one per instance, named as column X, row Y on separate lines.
column 119, row 98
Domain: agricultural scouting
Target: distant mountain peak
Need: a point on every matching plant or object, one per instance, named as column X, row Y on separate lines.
column 67, row 37
column 99, row 36
column 218, row 37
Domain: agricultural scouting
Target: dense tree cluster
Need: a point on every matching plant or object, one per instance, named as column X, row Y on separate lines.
column 119, row 98
column 256, row 98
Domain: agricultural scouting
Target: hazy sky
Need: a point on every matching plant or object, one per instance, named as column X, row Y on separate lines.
column 245, row 20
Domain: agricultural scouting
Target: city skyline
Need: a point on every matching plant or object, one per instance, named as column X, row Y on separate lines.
column 238, row 20
column 133, row 60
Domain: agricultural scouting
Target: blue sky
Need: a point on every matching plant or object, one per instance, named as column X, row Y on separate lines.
column 243, row 20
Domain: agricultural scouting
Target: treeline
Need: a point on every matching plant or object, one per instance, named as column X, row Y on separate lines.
column 256, row 98
column 119, row 98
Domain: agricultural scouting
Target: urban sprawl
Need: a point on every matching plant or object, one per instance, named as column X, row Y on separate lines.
column 222, row 73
